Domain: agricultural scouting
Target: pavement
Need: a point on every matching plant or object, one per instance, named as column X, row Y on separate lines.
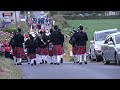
column 70, row 70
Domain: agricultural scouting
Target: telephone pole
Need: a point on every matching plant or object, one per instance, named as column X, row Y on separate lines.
column 16, row 20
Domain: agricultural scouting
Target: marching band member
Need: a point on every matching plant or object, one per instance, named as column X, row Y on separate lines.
column 19, row 40
column 80, row 44
column 56, row 38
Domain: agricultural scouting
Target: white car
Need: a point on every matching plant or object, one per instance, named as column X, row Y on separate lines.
column 111, row 49
column 98, row 40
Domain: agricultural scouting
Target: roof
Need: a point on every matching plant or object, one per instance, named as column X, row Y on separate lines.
column 115, row 29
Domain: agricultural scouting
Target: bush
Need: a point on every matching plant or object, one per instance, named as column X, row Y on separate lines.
column 9, row 29
column 60, row 20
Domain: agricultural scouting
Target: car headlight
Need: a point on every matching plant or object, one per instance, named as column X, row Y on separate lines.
column 118, row 49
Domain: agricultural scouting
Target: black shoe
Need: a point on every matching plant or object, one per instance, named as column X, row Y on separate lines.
column 61, row 60
column 42, row 61
column 28, row 63
column 45, row 62
column 34, row 62
column 77, row 62
column 55, row 63
column 20, row 64
column 31, row 64
column 58, row 63
column 80, row 63
column 85, row 62
column 51, row 63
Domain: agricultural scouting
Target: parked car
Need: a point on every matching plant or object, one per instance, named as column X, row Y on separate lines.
column 98, row 40
column 111, row 49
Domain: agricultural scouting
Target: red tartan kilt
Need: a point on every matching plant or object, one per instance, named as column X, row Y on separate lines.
column 38, row 51
column 50, row 52
column 74, row 50
column 57, row 50
column 80, row 50
column 32, row 55
column 42, row 51
column 19, row 52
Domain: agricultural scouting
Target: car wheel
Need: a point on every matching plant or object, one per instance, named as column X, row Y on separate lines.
column 117, row 61
column 104, row 60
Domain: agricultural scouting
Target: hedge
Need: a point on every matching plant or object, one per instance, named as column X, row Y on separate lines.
column 77, row 17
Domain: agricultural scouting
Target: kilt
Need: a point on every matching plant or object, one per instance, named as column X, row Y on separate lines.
column 57, row 50
column 42, row 51
column 50, row 52
column 19, row 52
column 74, row 50
column 32, row 55
column 80, row 50
column 38, row 51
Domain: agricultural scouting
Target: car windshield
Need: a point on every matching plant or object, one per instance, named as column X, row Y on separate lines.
column 117, row 39
column 101, row 36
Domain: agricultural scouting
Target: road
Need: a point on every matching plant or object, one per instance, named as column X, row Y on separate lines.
column 69, row 70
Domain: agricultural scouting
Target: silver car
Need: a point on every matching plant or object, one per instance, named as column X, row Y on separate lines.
column 98, row 40
column 111, row 49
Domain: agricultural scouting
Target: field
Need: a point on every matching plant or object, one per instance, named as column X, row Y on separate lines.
column 94, row 25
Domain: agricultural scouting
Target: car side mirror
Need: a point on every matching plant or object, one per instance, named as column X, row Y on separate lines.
column 110, row 43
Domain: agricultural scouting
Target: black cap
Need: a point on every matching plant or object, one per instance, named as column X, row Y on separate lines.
column 55, row 27
column 81, row 27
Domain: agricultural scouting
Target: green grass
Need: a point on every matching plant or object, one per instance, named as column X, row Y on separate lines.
column 8, row 70
column 94, row 25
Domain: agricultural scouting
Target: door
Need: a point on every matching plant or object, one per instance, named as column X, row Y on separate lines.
column 111, row 50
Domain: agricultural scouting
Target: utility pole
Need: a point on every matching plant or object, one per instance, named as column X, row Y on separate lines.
column 16, row 20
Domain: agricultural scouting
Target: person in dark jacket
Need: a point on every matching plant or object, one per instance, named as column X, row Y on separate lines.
column 80, row 44
column 72, row 39
column 56, row 38
column 12, row 44
column 31, row 47
column 19, row 40
column 41, row 52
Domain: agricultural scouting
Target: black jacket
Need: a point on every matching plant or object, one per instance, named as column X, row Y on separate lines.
column 19, row 40
column 31, row 46
column 57, row 38
column 80, row 38
column 40, row 43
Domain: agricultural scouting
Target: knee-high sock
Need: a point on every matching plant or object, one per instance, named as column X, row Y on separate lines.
column 20, row 60
column 40, row 58
column 75, row 58
column 54, row 58
column 58, row 58
column 37, row 58
column 14, row 59
column 32, row 61
column 51, row 58
column 80, row 58
column 45, row 57
column 85, row 57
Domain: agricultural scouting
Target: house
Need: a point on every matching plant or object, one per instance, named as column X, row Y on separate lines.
column 9, row 16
